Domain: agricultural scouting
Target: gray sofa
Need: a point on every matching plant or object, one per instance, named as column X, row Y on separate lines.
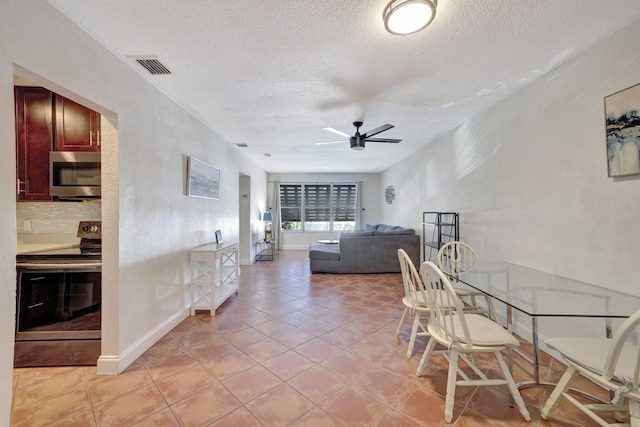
column 372, row 251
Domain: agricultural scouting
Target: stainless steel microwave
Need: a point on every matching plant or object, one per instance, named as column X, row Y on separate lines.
column 74, row 174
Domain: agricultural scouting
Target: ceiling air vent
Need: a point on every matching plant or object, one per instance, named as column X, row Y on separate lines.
column 153, row 65
column 242, row 145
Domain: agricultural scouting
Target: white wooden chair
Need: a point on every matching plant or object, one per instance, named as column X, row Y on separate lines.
column 414, row 301
column 612, row 363
column 457, row 257
column 463, row 334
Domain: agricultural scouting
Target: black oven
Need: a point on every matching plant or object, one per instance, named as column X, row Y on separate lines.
column 58, row 301
column 58, row 306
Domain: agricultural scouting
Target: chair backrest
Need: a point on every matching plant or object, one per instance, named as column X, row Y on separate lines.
column 456, row 257
column 627, row 336
column 448, row 319
column 413, row 288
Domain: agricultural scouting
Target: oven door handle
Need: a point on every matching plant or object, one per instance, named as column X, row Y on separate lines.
column 60, row 265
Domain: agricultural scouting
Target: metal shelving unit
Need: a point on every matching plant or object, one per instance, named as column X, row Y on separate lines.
column 438, row 228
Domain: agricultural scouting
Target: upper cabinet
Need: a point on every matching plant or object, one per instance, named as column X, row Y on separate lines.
column 34, row 140
column 48, row 122
column 77, row 127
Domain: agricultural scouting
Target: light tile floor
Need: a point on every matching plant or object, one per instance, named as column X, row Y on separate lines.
column 291, row 349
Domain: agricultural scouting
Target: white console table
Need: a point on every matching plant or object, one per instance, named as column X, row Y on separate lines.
column 215, row 275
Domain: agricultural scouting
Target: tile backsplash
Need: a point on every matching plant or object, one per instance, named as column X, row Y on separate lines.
column 56, row 217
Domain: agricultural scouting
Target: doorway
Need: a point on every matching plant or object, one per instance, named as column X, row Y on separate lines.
column 244, row 226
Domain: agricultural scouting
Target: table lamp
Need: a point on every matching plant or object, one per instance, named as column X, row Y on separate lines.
column 267, row 217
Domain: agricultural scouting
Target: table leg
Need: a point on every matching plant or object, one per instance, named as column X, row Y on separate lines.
column 534, row 344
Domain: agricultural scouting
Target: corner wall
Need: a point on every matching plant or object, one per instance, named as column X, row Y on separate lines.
column 529, row 178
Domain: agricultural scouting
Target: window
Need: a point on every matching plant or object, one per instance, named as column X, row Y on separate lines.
column 318, row 206
column 291, row 207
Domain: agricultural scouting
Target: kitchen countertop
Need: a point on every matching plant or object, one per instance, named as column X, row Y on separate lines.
column 31, row 242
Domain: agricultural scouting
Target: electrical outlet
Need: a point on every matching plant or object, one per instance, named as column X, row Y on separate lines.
column 26, row 225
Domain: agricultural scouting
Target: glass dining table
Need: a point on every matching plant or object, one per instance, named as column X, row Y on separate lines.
column 539, row 294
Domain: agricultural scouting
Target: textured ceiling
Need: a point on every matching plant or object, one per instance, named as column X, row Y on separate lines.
column 273, row 74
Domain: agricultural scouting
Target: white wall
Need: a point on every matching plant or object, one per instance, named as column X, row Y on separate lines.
column 149, row 222
column 372, row 198
column 529, row 178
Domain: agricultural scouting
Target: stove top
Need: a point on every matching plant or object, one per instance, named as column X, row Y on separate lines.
column 89, row 249
column 75, row 252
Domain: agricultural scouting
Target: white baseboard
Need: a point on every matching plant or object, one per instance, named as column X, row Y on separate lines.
column 114, row 364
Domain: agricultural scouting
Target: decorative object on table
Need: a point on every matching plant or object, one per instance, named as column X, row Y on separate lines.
column 218, row 236
column 612, row 363
column 622, row 113
column 389, row 194
column 402, row 17
column 267, row 217
column 203, row 180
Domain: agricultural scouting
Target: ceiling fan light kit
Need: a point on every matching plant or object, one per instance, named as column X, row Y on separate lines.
column 404, row 17
column 357, row 143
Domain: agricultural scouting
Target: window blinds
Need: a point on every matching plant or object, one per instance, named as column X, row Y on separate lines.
column 323, row 202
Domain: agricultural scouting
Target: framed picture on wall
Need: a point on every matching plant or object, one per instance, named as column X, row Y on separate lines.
column 622, row 114
column 203, row 180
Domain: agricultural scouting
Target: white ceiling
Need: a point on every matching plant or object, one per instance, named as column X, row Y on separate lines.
column 273, row 74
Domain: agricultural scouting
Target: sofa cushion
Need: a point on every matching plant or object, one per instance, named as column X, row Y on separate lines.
column 399, row 232
column 370, row 227
column 326, row 252
column 357, row 234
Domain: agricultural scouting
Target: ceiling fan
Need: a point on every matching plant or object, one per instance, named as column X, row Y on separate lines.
column 357, row 141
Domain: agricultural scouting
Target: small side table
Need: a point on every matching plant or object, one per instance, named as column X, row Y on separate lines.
column 215, row 274
column 266, row 250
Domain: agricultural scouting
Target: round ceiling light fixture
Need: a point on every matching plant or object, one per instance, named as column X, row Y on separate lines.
column 404, row 17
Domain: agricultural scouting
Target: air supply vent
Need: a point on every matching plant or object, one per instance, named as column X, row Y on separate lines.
column 153, row 66
column 242, row 145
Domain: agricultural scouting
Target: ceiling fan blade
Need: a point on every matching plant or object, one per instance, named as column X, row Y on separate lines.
column 330, row 142
column 377, row 130
column 382, row 140
column 338, row 132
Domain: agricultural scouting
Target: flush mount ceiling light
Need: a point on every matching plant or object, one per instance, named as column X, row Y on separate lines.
column 404, row 17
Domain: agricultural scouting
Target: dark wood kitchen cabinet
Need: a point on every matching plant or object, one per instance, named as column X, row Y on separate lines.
column 46, row 122
column 34, row 140
column 77, row 127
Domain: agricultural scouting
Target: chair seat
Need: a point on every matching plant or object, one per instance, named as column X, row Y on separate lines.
column 411, row 303
column 591, row 353
column 419, row 302
column 484, row 332
column 466, row 290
